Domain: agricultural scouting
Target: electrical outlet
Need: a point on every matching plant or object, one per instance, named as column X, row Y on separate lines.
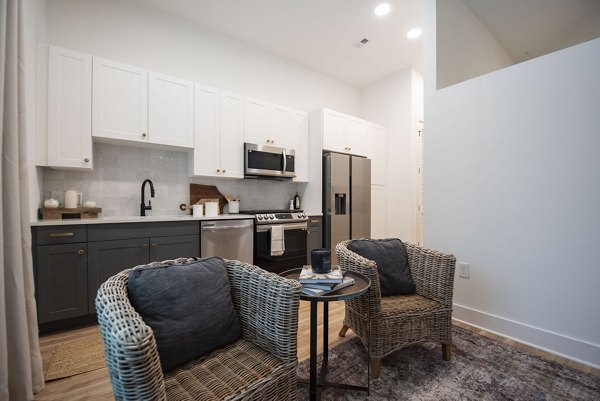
column 463, row 269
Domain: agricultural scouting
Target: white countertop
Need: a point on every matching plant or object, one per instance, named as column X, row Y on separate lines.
column 313, row 214
column 138, row 219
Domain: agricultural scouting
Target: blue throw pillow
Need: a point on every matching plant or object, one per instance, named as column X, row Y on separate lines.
column 188, row 306
column 392, row 263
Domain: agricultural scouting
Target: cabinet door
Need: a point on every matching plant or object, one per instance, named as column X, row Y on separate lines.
column 207, row 131
column 378, row 154
column 256, row 121
column 69, row 109
column 170, row 110
column 300, row 144
column 358, row 143
column 61, row 281
column 232, row 136
column 314, row 238
column 334, row 131
column 168, row 248
column 378, row 211
column 119, row 101
column 107, row 258
column 280, row 126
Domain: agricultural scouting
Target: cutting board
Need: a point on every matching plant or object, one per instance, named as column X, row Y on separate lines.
column 199, row 191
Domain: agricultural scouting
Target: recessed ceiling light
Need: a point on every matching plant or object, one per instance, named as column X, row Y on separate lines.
column 413, row 33
column 382, row 9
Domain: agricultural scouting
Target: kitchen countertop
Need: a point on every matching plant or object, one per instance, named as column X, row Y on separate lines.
column 313, row 214
column 138, row 219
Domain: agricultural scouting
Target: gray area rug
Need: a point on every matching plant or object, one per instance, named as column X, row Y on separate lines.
column 481, row 369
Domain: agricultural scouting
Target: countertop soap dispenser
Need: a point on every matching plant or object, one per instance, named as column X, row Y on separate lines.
column 296, row 201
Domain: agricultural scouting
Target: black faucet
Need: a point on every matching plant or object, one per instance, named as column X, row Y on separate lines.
column 143, row 206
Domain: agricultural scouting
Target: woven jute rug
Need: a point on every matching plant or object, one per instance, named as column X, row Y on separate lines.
column 76, row 357
column 481, row 369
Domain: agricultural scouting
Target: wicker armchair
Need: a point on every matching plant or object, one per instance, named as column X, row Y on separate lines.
column 259, row 366
column 401, row 320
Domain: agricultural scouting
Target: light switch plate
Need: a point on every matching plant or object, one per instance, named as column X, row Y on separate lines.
column 463, row 269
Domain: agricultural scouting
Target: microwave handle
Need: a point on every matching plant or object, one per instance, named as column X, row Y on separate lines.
column 284, row 162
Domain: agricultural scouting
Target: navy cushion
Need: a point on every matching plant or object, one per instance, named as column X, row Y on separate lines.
column 188, row 306
column 392, row 263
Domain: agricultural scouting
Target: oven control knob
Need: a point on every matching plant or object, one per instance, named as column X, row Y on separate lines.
column 259, row 216
column 271, row 216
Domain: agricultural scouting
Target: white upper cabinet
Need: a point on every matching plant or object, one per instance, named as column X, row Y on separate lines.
column 334, row 131
column 132, row 104
column 232, row 135
column 267, row 124
column 378, row 153
column 170, row 110
column 119, row 101
column 218, row 134
column 256, row 121
column 345, row 134
column 280, row 126
column 300, row 144
column 207, row 131
column 358, row 140
column 69, row 109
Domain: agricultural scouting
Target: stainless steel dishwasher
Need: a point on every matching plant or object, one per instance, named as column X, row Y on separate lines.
column 229, row 239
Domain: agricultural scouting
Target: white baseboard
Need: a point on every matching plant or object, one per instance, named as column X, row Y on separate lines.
column 558, row 344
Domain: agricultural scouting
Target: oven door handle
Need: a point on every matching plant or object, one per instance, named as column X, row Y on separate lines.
column 286, row 227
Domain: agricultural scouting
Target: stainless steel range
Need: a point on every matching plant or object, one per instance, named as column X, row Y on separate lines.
column 279, row 239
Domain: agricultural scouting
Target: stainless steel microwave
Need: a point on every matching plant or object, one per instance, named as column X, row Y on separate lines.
column 268, row 161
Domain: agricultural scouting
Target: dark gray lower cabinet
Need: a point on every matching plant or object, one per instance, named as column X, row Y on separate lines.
column 107, row 258
column 314, row 237
column 61, row 284
column 71, row 262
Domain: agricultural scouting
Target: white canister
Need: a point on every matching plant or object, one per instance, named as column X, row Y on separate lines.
column 72, row 198
column 197, row 210
column 212, row 209
column 234, row 206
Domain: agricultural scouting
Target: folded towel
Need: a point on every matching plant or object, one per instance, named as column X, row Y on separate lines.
column 277, row 240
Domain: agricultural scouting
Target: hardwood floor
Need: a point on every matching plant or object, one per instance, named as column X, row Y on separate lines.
column 95, row 385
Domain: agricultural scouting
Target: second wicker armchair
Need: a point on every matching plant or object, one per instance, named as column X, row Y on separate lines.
column 400, row 320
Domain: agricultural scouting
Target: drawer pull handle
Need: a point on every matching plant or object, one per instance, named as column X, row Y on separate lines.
column 154, row 245
column 145, row 245
column 56, row 235
column 314, row 221
column 81, row 251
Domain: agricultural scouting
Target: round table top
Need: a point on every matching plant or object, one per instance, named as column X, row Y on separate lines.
column 360, row 286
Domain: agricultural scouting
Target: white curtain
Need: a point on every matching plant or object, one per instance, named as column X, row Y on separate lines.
column 20, row 361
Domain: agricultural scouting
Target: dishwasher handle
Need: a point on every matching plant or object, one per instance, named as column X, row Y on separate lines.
column 221, row 228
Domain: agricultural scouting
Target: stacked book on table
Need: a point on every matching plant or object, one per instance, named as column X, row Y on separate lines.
column 321, row 284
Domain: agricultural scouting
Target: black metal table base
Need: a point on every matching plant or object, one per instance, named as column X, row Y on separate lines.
column 316, row 385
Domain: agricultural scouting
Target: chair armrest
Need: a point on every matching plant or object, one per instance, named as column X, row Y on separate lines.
column 368, row 304
column 432, row 272
column 267, row 305
column 129, row 345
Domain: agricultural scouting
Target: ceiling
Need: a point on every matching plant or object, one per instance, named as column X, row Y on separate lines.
column 324, row 35
column 531, row 28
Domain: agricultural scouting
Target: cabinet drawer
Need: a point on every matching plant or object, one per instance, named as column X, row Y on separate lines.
column 60, row 234
column 104, row 232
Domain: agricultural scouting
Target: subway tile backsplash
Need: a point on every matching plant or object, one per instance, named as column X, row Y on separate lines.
column 115, row 183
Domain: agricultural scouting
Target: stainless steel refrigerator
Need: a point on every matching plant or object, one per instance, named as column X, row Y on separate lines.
column 346, row 199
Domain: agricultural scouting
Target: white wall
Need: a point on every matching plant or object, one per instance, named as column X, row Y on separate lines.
column 465, row 48
column 393, row 102
column 511, row 186
column 134, row 33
